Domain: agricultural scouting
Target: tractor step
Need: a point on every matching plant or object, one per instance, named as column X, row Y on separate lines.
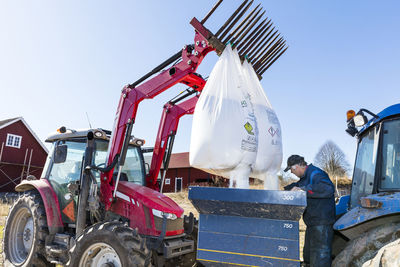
column 57, row 262
column 56, row 249
column 57, row 252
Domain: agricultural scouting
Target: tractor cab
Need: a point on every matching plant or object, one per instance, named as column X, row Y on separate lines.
column 375, row 191
column 377, row 166
column 63, row 168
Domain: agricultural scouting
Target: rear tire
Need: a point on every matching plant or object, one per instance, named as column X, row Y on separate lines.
column 109, row 244
column 25, row 232
column 366, row 246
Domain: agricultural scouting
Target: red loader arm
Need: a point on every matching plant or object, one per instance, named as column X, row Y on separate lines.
column 165, row 136
column 183, row 72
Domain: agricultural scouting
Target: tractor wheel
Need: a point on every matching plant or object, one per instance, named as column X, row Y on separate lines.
column 366, row 246
column 25, row 232
column 110, row 244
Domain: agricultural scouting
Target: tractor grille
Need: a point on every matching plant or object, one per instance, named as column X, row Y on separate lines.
column 172, row 225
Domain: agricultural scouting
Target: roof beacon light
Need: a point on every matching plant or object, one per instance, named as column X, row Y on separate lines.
column 98, row 134
column 350, row 114
column 62, row 129
column 138, row 142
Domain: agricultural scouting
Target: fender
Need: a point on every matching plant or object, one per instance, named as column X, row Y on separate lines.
column 361, row 219
column 342, row 205
column 50, row 201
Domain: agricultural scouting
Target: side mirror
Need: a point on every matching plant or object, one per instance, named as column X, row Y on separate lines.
column 351, row 128
column 60, row 154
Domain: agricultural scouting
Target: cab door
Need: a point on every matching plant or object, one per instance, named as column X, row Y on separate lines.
column 389, row 169
column 63, row 173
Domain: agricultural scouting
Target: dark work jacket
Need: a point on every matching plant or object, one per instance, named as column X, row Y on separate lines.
column 320, row 190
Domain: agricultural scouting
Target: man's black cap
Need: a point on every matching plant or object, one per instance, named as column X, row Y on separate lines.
column 293, row 160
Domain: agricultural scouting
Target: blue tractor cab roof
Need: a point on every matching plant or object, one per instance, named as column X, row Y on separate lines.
column 391, row 111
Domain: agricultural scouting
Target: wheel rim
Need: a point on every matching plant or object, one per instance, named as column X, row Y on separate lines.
column 100, row 254
column 21, row 234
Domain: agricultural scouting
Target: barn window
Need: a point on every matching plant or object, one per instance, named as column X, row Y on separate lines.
column 167, row 181
column 13, row 140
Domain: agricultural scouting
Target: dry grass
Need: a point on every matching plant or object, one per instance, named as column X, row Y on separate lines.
column 182, row 200
column 342, row 180
column 4, row 209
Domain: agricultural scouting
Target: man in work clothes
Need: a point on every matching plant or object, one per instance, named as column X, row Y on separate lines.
column 319, row 215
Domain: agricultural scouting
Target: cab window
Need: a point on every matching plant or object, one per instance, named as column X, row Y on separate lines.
column 133, row 169
column 70, row 170
column 390, row 168
column 364, row 169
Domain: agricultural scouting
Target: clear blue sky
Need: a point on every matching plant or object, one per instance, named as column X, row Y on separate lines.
column 61, row 59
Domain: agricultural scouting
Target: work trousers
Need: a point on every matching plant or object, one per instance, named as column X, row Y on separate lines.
column 317, row 251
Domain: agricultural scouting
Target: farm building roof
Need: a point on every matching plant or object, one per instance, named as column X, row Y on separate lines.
column 6, row 122
column 179, row 160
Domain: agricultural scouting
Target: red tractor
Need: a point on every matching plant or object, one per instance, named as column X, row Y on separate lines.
column 96, row 204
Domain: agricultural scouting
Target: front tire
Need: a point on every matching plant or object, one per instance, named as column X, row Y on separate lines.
column 25, row 232
column 109, row 244
column 365, row 247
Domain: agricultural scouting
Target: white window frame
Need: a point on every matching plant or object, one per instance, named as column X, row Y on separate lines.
column 167, row 181
column 14, row 137
column 176, row 179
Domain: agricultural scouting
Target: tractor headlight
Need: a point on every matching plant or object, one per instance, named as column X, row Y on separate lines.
column 160, row 214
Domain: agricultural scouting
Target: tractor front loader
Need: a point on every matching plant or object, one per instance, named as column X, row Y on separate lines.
column 96, row 204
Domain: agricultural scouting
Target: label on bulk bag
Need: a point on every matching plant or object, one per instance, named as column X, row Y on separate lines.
column 269, row 152
column 250, row 141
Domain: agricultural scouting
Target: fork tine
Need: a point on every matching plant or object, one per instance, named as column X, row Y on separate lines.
column 269, row 65
column 256, row 42
column 231, row 18
column 250, row 38
column 211, row 12
column 244, row 33
column 235, row 21
column 265, row 46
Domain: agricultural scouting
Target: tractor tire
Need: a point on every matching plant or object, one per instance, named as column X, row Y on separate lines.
column 109, row 244
column 25, row 232
column 365, row 247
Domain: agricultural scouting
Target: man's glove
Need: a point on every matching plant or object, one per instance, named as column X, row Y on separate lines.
column 296, row 189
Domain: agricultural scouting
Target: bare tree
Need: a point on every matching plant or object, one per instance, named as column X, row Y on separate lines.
column 332, row 160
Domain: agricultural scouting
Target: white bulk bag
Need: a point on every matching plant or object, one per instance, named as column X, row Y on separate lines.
column 223, row 139
column 269, row 151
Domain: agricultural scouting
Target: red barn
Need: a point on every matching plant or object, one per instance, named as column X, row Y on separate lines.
column 21, row 153
column 180, row 175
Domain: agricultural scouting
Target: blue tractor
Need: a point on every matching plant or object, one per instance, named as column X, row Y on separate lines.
column 369, row 217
